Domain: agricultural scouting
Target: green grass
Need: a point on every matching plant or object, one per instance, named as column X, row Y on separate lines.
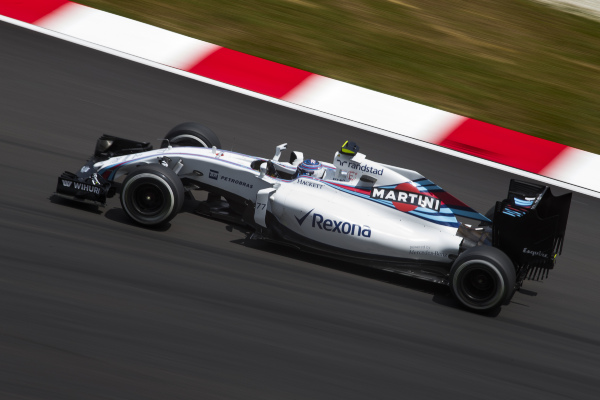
column 513, row 63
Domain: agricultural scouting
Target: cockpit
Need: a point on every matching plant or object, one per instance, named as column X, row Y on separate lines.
column 345, row 167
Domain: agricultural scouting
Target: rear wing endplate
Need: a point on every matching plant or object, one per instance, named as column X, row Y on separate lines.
column 529, row 226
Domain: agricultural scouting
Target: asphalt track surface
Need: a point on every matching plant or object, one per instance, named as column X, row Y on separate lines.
column 94, row 307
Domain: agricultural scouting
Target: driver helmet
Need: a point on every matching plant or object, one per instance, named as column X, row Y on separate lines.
column 312, row 168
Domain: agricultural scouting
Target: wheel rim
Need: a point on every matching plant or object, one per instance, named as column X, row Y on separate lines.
column 148, row 199
column 478, row 284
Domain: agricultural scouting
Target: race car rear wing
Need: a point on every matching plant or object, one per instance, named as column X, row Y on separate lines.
column 529, row 226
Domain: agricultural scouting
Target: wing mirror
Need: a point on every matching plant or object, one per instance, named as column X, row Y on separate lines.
column 263, row 170
column 278, row 150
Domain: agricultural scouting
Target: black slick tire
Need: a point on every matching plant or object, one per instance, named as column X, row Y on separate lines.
column 482, row 278
column 191, row 134
column 152, row 195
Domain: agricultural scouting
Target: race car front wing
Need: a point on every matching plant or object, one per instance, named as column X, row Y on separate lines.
column 88, row 186
column 83, row 189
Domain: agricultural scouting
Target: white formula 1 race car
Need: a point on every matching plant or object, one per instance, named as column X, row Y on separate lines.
column 354, row 208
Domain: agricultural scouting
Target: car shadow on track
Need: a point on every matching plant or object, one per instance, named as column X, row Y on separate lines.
column 78, row 205
column 441, row 293
column 117, row 214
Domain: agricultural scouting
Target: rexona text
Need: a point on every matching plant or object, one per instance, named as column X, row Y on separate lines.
column 401, row 196
column 345, row 228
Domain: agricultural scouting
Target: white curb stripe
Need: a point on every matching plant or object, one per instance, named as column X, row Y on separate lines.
column 376, row 109
column 128, row 36
column 579, row 167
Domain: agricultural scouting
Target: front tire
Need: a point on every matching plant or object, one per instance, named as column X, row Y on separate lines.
column 152, row 195
column 483, row 278
column 191, row 134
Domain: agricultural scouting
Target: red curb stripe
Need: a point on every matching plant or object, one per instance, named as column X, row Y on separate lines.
column 250, row 72
column 502, row 145
column 29, row 10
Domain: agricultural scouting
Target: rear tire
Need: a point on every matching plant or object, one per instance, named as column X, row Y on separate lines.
column 152, row 195
column 191, row 134
column 483, row 278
